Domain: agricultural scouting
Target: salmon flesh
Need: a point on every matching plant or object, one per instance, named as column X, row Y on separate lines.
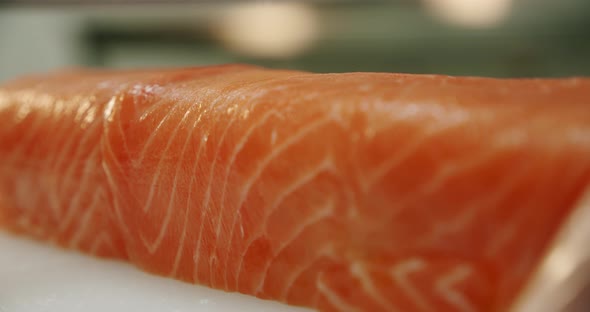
column 337, row 192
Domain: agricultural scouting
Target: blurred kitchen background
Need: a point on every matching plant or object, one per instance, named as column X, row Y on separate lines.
column 499, row 38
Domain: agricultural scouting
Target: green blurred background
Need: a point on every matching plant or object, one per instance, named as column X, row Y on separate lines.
column 499, row 38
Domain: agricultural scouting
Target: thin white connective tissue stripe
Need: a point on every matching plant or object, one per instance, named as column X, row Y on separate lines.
column 148, row 204
column 405, row 152
column 326, row 251
column 156, row 243
column 238, row 148
column 326, row 165
column 470, row 211
column 189, row 197
column 205, row 206
column 445, row 287
column 360, row 272
column 333, row 298
column 86, row 217
column 259, row 89
column 320, row 214
column 264, row 163
column 400, row 273
column 74, row 205
column 152, row 136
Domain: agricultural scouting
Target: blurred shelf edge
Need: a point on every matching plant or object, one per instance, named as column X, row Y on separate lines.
column 341, row 19
column 554, row 33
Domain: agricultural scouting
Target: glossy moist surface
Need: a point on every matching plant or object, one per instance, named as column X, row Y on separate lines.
column 341, row 192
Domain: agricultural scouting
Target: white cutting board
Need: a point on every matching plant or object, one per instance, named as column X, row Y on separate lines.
column 40, row 278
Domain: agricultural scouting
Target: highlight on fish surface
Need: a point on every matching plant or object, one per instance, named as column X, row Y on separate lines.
column 338, row 192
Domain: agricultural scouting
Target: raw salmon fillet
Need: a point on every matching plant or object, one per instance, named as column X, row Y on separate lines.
column 339, row 192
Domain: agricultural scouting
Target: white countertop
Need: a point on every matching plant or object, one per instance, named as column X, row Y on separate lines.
column 40, row 278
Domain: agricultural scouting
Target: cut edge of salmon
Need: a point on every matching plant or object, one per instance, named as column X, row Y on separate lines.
column 565, row 269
